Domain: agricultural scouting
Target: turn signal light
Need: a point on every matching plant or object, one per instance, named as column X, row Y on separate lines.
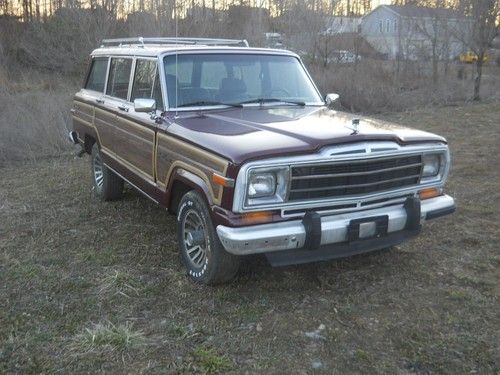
column 222, row 181
column 429, row 193
column 257, row 217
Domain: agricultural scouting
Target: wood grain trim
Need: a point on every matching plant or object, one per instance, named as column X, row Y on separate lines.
column 195, row 156
column 141, row 128
column 155, row 163
column 132, row 168
column 196, row 151
column 198, row 172
column 148, row 137
column 92, row 126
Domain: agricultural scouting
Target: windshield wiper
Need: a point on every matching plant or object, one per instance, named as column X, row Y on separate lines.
column 261, row 101
column 209, row 103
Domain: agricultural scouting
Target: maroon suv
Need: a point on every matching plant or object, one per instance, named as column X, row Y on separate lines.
column 241, row 146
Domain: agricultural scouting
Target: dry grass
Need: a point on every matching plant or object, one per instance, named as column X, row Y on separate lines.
column 35, row 118
column 211, row 362
column 428, row 306
column 119, row 283
column 107, row 337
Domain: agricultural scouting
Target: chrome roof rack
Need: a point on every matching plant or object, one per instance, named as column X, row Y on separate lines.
column 140, row 41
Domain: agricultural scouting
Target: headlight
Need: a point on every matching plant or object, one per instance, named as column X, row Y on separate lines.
column 261, row 185
column 267, row 185
column 432, row 165
column 435, row 166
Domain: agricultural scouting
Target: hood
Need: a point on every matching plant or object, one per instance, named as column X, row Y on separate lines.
column 242, row 134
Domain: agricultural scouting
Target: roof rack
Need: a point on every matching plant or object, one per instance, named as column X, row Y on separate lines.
column 170, row 40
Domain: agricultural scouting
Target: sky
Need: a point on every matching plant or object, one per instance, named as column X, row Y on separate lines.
column 18, row 3
column 376, row 3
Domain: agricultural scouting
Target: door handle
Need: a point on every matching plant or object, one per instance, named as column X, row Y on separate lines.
column 122, row 107
column 100, row 101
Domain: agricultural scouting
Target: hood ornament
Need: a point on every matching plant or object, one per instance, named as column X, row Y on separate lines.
column 355, row 126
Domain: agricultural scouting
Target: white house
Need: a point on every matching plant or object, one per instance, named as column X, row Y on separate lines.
column 414, row 32
column 342, row 25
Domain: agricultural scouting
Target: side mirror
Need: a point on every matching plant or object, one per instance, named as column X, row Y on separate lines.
column 330, row 99
column 144, row 105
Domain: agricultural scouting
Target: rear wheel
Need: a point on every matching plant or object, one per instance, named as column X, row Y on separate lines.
column 201, row 252
column 107, row 185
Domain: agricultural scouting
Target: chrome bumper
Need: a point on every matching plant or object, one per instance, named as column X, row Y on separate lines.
column 290, row 235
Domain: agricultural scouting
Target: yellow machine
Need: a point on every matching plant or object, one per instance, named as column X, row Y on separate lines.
column 470, row 57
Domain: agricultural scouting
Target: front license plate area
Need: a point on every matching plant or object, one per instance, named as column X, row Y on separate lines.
column 367, row 227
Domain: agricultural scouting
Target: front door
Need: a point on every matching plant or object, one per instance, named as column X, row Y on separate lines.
column 133, row 133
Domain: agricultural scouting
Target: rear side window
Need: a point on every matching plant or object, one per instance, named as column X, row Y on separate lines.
column 97, row 75
column 119, row 77
column 146, row 82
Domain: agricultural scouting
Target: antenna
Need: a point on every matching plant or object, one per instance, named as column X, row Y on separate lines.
column 176, row 61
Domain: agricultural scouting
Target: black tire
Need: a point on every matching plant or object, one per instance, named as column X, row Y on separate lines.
column 201, row 252
column 107, row 185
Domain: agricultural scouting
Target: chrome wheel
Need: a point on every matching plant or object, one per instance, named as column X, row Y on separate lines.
column 193, row 233
column 201, row 252
column 98, row 171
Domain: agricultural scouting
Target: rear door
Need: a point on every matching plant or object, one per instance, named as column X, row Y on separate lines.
column 104, row 115
column 88, row 98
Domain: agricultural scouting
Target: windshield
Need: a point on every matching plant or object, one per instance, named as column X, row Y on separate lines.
column 217, row 79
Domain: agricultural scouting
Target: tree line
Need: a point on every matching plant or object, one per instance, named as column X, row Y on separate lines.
column 29, row 10
column 58, row 34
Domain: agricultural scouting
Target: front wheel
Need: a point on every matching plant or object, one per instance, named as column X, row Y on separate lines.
column 107, row 185
column 201, row 252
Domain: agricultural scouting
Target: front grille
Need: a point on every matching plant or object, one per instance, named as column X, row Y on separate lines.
column 354, row 177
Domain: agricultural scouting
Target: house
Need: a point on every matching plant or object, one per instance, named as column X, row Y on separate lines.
column 414, row 33
column 342, row 24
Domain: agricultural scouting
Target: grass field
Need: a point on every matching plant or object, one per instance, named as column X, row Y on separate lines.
column 89, row 287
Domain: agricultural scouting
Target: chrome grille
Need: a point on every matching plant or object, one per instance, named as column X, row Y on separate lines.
column 354, row 177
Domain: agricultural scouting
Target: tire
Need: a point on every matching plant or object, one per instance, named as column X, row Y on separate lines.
column 201, row 252
column 107, row 185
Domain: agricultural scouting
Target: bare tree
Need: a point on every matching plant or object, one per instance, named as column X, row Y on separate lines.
column 479, row 32
column 434, row 29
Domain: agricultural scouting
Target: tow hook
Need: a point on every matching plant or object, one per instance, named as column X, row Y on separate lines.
column 73, row 137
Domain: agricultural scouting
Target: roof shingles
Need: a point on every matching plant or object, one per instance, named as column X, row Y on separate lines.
column 418, row 12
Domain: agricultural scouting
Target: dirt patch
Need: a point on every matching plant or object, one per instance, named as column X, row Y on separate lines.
column 87, row 287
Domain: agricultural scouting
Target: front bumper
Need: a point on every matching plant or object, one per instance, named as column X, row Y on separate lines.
column 403, row 221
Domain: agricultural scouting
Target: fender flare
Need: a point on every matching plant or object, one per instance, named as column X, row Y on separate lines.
column 192, row 180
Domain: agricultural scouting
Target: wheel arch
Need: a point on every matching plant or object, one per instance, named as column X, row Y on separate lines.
column 88, row 143
column 183, row 181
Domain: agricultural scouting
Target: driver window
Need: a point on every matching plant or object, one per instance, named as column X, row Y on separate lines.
column 146, row 82
column 283, row 79
column 119, row 76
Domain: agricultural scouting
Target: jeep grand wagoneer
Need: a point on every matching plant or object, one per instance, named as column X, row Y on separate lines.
column 239, row 143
